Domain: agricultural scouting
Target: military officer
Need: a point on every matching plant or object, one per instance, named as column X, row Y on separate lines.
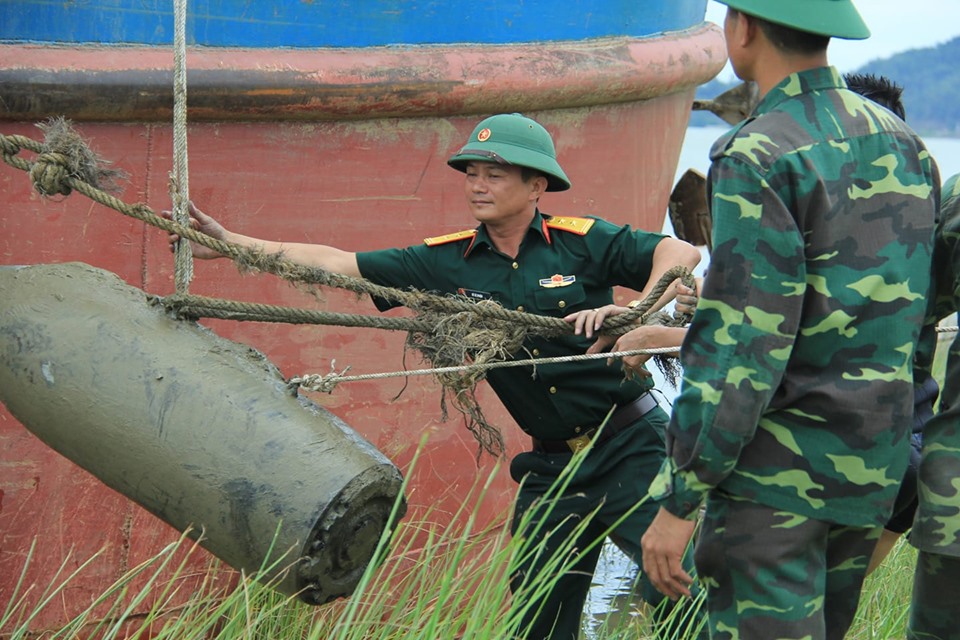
column 528, row 260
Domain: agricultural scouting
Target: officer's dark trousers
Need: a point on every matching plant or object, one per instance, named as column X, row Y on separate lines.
column 614, row 477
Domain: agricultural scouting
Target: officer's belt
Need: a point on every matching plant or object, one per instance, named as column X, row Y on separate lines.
column 620, row 420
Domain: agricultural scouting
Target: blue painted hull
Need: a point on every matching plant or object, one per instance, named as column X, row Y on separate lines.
column 341, row 23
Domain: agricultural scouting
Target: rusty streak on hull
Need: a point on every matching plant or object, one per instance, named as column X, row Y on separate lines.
column 135, row 83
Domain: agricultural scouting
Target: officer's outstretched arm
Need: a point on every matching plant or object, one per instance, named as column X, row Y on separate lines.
column 311, row 255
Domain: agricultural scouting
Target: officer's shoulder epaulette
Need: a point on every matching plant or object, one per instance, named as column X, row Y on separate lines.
column 450, row 237
column 579, row 226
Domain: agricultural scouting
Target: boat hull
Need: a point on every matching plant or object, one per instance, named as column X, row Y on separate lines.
column 337, row 146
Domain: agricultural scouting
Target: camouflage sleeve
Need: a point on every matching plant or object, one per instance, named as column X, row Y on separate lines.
column 936, row 528
column 947, row 252
column 946, row 272
column 741, row 337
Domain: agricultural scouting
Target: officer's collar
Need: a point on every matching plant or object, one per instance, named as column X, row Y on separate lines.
column 538, row 225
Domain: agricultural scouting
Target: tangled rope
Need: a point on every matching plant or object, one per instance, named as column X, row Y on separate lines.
column 447, row 330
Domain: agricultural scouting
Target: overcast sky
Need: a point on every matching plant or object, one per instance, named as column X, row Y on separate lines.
column 895, row 25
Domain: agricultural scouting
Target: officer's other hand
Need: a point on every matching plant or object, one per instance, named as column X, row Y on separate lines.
column 637, row 339
column 204, row 224
column 664, row 544
column 589, row 321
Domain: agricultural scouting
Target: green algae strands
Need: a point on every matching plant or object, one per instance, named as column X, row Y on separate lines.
column 201, row 431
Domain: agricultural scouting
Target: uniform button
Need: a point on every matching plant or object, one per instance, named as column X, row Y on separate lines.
column 520, row 308
column 536, row 352
column 561, row 304
column 553, row 389
column 577, row 429
column 516, row 266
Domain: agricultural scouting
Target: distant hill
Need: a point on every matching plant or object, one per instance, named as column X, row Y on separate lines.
column 930, row 78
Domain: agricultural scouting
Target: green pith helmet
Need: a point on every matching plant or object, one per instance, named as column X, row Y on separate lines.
column 510, row 138
column 836, row 18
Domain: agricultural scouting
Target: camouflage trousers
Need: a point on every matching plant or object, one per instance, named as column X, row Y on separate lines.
column 773, row 574
column 934, row 611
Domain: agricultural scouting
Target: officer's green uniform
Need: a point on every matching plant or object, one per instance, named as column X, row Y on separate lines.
column 795, row 412
column 934, row 614
column 564, row 265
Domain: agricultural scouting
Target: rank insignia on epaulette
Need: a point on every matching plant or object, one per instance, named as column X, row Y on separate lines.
column 580, row 226
column 450, row 237
column 557, row 280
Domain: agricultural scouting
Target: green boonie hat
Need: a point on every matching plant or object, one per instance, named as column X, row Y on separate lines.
column 510, row 138
column 836, row 18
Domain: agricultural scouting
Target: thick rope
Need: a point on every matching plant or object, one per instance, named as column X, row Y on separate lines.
column 51, row 175
column 455, row 330
column 180, row 178
column 194, row 307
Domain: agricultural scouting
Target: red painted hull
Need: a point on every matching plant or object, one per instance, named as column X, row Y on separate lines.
column 359, row 183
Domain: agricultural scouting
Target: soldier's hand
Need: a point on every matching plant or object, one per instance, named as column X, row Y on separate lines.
column 202, row 223
column 664, row 544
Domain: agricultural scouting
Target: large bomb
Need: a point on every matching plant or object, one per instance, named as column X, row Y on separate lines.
column 201, row 431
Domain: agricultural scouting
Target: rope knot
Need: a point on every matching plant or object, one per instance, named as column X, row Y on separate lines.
column 317, row 382
column 64, row 158
column 50, row 174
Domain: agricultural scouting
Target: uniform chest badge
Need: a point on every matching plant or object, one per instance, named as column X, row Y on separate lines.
column 557, row 280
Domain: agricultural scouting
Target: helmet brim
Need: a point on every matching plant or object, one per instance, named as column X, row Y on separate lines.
column 834, row 18
column 556, row 179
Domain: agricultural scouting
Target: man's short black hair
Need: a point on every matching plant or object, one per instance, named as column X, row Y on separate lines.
column 527, row 174
column 880, row 89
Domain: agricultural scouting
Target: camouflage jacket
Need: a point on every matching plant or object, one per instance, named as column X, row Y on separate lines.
column 937, row 525
column 797, row 389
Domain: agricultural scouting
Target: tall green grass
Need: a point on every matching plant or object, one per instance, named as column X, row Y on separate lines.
column 435, row 576
column 885, row 600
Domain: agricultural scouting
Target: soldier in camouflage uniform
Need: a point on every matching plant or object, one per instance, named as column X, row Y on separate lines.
column 794, row 416
column 888, row 94
column 527, row 260
column 934, row 613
